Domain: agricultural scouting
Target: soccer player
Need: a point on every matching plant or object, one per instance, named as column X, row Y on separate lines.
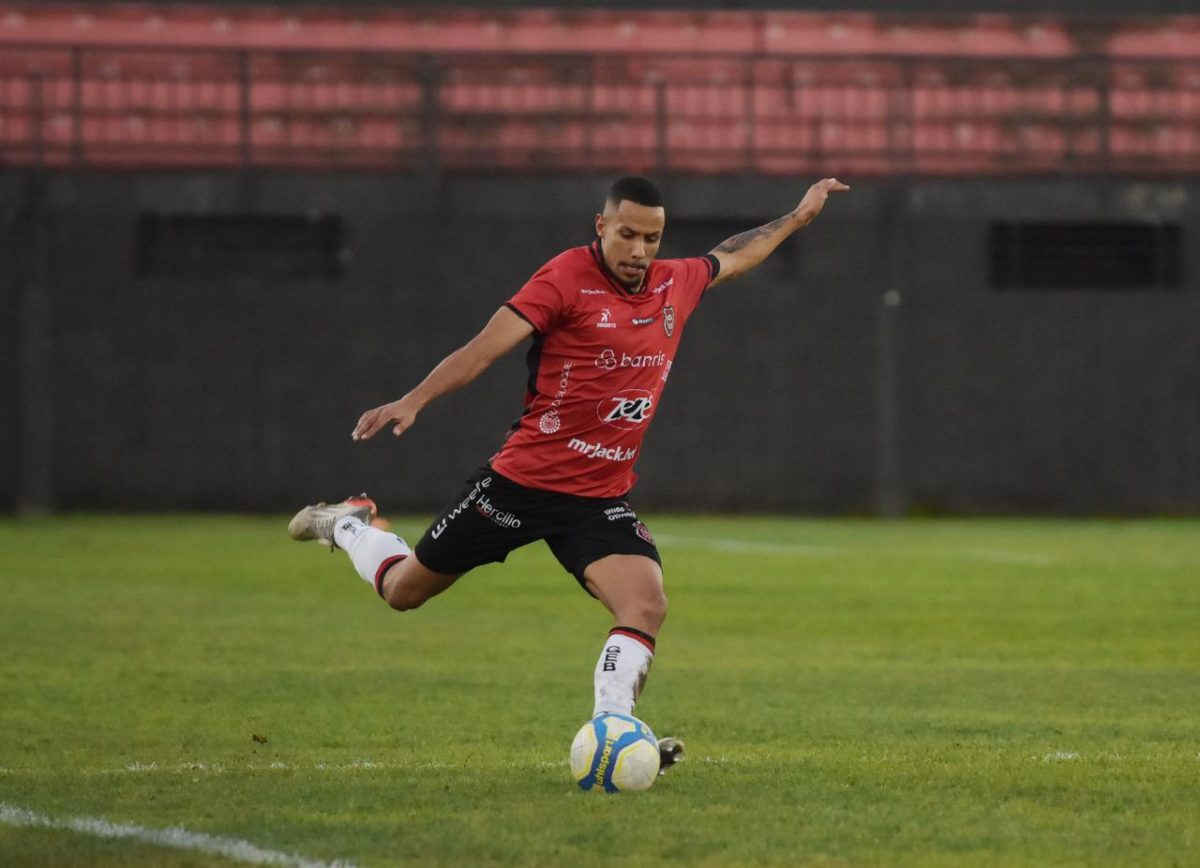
column 605, row 321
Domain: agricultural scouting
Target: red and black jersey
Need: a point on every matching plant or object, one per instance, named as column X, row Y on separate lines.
column 599, row 363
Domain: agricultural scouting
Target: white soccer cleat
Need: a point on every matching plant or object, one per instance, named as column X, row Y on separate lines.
column 318, row 521
column 670, row 752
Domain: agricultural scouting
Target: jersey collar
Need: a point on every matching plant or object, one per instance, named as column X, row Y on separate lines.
column 598, row 255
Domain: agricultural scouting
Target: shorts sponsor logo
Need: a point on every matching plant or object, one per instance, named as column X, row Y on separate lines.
column 606, row 320
column 628, row 409
column 643, row 532
column 549, row 422
column 472, row 496
column 617, row 513
column 608, row 360
column 488, row 510
column 599, row 450
column 644, row 320
column 664, row 286
column 669, row 320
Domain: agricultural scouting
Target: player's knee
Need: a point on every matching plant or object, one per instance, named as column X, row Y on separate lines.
column 660, row 607
column 653, row 610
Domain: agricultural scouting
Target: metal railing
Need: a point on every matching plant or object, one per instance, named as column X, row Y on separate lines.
column 111, row 108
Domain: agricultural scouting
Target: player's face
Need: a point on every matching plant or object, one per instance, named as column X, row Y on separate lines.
column 630, row 235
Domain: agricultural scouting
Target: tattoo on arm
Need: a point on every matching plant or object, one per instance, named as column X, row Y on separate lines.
column 737, row 242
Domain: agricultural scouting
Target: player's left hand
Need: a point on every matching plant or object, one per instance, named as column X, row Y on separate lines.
column 814, row 200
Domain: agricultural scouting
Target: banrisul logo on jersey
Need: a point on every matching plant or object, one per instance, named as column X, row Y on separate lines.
column 628, row 409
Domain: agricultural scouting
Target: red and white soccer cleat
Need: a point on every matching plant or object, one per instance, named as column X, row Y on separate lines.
column 318, row 521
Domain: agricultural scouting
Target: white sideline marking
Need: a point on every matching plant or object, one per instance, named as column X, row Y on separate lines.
column 1060, row 756
column 218, row 768
column 180, row 839
column 738, row 545
column 194, row 767
column 816, row 550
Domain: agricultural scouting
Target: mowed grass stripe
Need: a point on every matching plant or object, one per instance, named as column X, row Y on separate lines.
column 922, row 693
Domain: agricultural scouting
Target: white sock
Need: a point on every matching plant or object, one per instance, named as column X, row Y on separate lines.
column 372, row 551
column 621, row 670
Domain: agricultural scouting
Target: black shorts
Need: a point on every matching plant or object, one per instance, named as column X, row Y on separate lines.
column 492, row 515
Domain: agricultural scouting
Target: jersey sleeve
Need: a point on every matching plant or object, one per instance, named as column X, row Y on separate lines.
column 542, row 301
column 695, row 275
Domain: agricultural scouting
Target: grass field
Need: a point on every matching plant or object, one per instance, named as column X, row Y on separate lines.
column 916, row 693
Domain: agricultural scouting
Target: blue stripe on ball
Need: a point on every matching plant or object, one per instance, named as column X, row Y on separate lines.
column 601, row 730
column 640, row 732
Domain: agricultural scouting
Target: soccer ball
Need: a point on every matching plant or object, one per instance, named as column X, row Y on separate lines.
column 614, row 752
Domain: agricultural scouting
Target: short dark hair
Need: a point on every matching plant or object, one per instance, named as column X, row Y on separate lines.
column 638, row 190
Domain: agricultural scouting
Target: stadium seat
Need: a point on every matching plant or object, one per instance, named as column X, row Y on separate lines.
column 538, row 88
column 1177, row 37
column 706, row 144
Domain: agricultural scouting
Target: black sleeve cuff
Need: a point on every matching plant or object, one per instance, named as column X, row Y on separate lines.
column 714, row 265
column 513, row 308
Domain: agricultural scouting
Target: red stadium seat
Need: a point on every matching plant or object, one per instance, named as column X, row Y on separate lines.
column 1158, row 37
column 537, row 89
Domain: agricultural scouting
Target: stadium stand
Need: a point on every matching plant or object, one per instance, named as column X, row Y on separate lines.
column 536, row 90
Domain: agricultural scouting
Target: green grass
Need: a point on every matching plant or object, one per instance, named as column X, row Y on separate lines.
column 917, row 693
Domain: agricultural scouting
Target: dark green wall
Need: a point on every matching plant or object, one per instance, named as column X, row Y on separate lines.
column 797, row 388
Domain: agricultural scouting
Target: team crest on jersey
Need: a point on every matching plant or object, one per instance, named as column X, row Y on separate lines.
column 669, row 320
column 643, row 532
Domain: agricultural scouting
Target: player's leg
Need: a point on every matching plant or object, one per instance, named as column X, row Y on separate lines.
column 385, row 562
column 375, row 554
column 631, row 587
column 612, row 555
column 478, row 527
column 407, row 584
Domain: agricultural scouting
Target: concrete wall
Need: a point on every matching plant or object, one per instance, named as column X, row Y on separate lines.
column 868, row 365
column 11, row 218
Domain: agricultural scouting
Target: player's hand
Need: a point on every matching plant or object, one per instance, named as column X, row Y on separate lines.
column 373, row 421
column 814, row 200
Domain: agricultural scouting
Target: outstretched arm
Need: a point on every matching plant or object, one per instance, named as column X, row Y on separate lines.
column 503, row 332
column 741, row 253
